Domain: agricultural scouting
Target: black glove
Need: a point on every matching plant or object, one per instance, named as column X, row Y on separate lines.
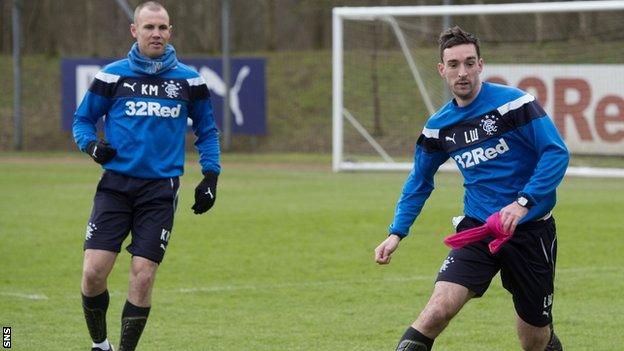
column 101, row 151
column 205, row 193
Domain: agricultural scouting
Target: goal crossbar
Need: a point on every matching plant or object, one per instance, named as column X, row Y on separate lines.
column 388, row 14
column 370, row 13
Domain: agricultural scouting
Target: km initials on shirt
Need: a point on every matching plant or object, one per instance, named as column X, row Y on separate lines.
column 148, row 89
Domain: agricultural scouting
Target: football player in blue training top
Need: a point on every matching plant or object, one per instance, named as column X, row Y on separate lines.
column 512, row 159
column 146, row 100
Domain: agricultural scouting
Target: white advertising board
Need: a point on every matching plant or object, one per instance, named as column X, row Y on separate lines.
column 586, row 102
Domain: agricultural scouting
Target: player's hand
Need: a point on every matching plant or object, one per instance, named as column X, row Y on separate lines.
column 205, row 193
column 511, row 215
column 101, row 151
column 386, row 248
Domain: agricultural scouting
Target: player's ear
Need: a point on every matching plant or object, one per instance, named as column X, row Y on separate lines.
column 480, row 63
column 133, row 30
column 441, row 68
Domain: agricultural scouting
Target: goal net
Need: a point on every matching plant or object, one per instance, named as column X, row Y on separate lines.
column 569, row 55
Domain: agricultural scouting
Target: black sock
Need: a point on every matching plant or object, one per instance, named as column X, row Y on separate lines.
column 413, row 340
column 95, row 314
column 553, row 344
column 133, row 319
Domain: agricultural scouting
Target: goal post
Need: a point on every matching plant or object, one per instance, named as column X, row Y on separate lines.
column 385, row 83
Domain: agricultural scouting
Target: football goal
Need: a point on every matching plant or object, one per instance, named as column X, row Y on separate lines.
column 569, row 55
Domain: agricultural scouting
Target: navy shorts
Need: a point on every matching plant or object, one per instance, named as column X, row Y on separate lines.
column 526, row 264
column 143, row 207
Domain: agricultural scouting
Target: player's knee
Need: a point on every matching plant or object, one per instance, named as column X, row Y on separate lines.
column 142, row 280
column 93, row 277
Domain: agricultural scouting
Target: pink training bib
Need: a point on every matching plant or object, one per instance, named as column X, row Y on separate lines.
column 492, row 227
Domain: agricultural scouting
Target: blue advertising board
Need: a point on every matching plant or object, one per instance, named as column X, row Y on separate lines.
column 247, row 90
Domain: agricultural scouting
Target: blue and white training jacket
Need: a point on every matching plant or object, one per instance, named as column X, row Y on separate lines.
column 146, row 116
column 503, row 143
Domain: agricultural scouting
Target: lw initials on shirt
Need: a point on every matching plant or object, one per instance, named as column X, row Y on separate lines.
column 478, row 155
column 471, row 136
column 149, row 89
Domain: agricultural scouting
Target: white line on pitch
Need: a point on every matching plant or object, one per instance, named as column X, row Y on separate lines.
column 588, row 269
column 24, row 296
column 431, row 277
column 299, row 285
column 218, row 288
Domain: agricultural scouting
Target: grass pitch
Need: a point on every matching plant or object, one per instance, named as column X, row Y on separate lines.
column 285, row 261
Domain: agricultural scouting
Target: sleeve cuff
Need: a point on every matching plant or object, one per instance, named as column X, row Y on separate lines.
column 211, row 169
column 399, row 235
column 392, row 231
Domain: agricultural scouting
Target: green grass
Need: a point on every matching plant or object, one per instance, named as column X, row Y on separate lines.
column 284, row 261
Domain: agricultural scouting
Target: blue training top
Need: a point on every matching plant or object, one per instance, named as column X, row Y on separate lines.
column 146, row 104
column 503, row 143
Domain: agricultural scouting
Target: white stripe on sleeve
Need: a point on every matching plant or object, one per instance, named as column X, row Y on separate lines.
column 515, row 104
column 107, row 77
